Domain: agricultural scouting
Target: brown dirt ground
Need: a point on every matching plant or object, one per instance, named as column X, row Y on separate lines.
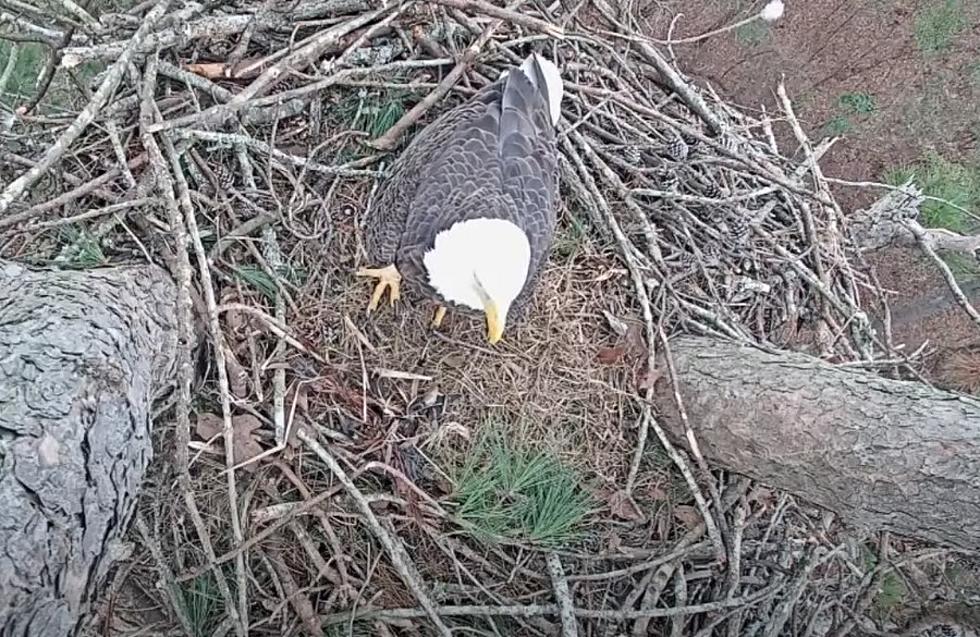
column 922, row 103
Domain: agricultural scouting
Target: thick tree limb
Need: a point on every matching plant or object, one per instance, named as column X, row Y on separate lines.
column 82, row 356
column 880, row 453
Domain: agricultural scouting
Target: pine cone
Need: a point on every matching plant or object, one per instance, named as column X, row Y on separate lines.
column 739, row 227
column 667, row 179
column 632, row 154
column 710, row 190
column 224, row 176
column 677, row 149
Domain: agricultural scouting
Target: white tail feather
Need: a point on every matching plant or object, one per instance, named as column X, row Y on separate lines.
column 552, row 79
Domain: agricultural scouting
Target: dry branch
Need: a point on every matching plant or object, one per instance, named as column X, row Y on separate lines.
column 15, row 189
column 85, row 354
column 882, row 454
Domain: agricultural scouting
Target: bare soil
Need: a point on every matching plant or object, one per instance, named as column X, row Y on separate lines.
column 858, row 70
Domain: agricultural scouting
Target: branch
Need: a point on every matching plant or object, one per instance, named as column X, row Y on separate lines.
column 535, row 610
column 400, row 558
column 569, row 627
column 18, row 186
column 508, row 15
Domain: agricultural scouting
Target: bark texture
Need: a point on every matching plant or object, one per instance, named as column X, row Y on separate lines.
column 82, row 356
column 881, row 454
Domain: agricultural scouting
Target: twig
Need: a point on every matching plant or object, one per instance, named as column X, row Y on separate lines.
column 185, row 334
column 169, row 582
column 399, row 557
column 677, row 84
column 13, row 53
column 41, row 34
column 569, row 627
column 923, row 240
column 300, row 58
column 17, row 187
column 218, row 340
column 295, row 596
column 267, row 149
column 94, row 213
column 275, row 327
column 553, row 609
column 390, row 138
column 507, row 15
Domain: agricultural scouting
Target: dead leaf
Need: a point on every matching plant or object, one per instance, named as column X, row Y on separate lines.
column 211, row 70
column 245, row 446
column 611, row 355
column 209, row 426
column 636, row 344
column 622, row 506
column 431, row 396
column 648, row 379
column 687, row 515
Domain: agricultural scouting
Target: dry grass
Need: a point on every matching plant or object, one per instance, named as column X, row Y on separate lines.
column 667, row 224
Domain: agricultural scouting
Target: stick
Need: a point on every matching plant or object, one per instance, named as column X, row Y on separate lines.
column 507, row 15
column 535, row 610
column 164, row 184
column 399, row 557
column 299, row 59
column 569, row 627
column 923, row 240
column 388, row 140
column 219, row 343
column 113, row 76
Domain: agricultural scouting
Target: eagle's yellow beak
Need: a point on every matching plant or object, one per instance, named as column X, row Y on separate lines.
column 495, row 326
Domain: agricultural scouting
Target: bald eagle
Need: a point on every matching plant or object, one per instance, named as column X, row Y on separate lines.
column 468, row 209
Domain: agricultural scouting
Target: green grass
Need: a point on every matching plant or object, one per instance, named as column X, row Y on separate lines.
column 373, row 112
column 837, row 126
column 29, row 64
column 569, row 238
column 857, row 103
column 938, row 25
column 956, row 183
column 973, row 71
column 202, row 604
column 754, row 33
column 261, row 281
column 891, row 593
column 506, row 490
column 23, row 75
column 850, row 106
column 82, row 250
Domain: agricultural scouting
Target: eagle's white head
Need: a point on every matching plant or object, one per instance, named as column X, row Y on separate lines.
column 481, row 264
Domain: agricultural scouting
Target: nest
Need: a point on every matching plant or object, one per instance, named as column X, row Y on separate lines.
column 239, row 147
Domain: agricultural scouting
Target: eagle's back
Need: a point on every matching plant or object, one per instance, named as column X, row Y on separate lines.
column 494, row 156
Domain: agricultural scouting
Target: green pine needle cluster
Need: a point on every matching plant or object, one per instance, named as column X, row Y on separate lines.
column 509, row 491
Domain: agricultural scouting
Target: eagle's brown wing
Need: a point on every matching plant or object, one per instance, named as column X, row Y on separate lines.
column 385, row 219
column 494, row 157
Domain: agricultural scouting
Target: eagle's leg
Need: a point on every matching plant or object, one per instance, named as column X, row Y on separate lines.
column 440, row 314
column 389, row 277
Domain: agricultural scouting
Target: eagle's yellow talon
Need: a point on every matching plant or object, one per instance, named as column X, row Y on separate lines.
column 389, row 277
column 440, row 314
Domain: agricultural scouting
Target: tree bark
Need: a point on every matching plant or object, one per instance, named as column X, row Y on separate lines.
column 881, row 454
column 82, row 357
